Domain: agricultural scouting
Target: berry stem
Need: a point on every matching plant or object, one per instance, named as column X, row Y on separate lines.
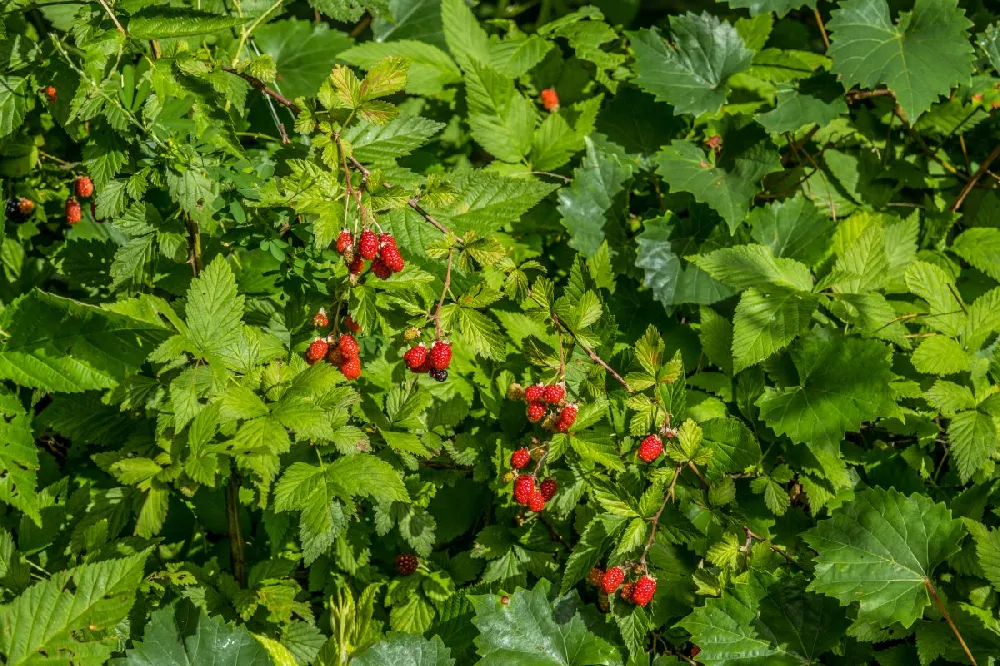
column 444, row 292
column 597, row 359
column 113, row 17
column 947, row 616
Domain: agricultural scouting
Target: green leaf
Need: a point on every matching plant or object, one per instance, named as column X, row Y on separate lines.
column 19, row 461
column 501, row 119
column 728, row 185
column 214, row 309
column 980, row 247
column 818, row 100
column 793, row 229
column 920, row 57
column 181, row 635
column 12, row 103
column 586, row 203
column 941, row 356
column 779, row 7
column 487, row 201
column 766, row 323
column 734, row 447
column 466, row 39
column 880, row 551
column 747, row 266
column 303, row 52
column 691, row 74
column 170, row 23
column 406, row 650
column 431, row 69
column 379, row 145
column 974, row 440
column 945, row 308
column 58, row 344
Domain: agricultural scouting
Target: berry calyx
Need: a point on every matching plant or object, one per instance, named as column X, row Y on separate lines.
column 669, row 432
column 534, row 393
column 537, row 502
column 84, row 187
column 536, row 411
column 415, row 356
column 550, row 99
column 406, row 563
column 73, row 211
column 554, row 393
column 351, row 367
column 594, row 576
column 438, row 375
column 524, row 488
column 567, row 417
column 644, row 590
column 613, row 577
column 351, row 325
column 317, row 350
column 440, row 355
column 379, row 268
column 368, row 244
column 320, row 320
column 650, row 449
column 344, row 241
column 548, row 488
column 392, row 258
column 348, row 346
column 520, row 458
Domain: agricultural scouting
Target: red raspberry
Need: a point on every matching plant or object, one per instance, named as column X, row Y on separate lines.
column 627, row 590
column 25, row 206
column 554, row 393
column 415, row 356
column 368, row 244
column 440, row 355
column 50, row 93
column 392, row 258
column 548, row 488
column 594, row 576
column 380, row 269
column 351, row 367
column 348, row 346
column 320, row 320
column 536, row 411
column 650, row 449
column 536, row 503
column 406, row 563
column 644, row 590
column 73, row 212
column 613, row 577
column 550, row 100
column 695, row 651
column 520, row 458
column 84, row 187
column 317, row 350
column 386, row 239
column 524, row 488
column 344, row 241
column 424, row 367
column 357, row 267
column 534, row 393
column 351, row 325
column 567, row 417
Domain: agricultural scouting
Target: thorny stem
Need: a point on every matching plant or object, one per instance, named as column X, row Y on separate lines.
column 947, row 617
column 444, row 292
column 983, row 168
column 751, row 535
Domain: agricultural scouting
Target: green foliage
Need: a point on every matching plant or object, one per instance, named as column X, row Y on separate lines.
column 756, row 238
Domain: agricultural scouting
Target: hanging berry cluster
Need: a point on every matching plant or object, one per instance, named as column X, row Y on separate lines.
column 546, row 404
column 639, row 591
column 342, row 351
column 84, row 189
column 525, row 492
column 380, row 249
column 433, row 361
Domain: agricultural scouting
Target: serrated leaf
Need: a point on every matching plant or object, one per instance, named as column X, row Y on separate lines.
column 406, row 650
column 501, row 119
column 980, row 247
column 766, row 323
column 974, row 440
column 214, row 309
column 379, row 145
column 748, row 266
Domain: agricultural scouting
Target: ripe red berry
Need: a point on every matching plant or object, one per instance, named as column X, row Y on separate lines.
column 537, row 502
column 613, row 577
column 534, row 393
column 351, row 367
column 84, row 187
column 406, row 563
column 344, row 241
column 386, row 239
column 440, row 355
column 317, row 350
column 368, row 244
column 351, row 325
column 650, row 449
column 644, row 590
column 320, row 320
column 50, row 93
column 73, row 211
column 567, row 417
column 380, row 269
column 425, row 366
column 550, row 100
column 536, row 411
column 695, row 651
column 524, row 488
column 348, row 345
column 627, row 590
column 594, row 576
column 520, row 458
column 554, row 393
column 392, row 258
column 415, row 356
column 357, row 267
column 548, row 488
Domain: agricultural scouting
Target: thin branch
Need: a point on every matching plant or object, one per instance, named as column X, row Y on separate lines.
column 694, row 468
column 655, row 520
column 233, row 527
column 779, row 551
column 975, row 179
column 444, row 292
column 262, row 87
column 951, row 623
column 822, row 28
column 414, row 203
column 113, row 17
column 562, row 352
column 597, row 359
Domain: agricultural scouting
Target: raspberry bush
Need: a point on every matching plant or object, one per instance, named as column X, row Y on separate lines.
column 432, row 332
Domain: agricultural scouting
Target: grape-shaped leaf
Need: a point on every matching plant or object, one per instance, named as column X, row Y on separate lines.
column 919, row 58
column 880, row 550
column 692, row 73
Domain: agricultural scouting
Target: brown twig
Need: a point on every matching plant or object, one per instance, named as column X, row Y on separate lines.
column 113, row 17
column 655, row 520
column 262, row 87
column 595, row 358
column 951, row 623
column 414, row 203
column 693, row 467
column 779, row 551
column 444, row 292
column 822, row 28
column 194, row 245
column 995, row 153
column 360, row 27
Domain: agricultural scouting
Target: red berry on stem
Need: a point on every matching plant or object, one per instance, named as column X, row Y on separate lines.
column 644, row 590
column 550, row 100
column 351, row 325
column 650, row 449
column 524, row 488
column 613, row 577
column 567, row 417
column 406, row 563
column 386, row 239
column 555, row 393
column 379, row 268
column 357, row 266
column 520, row 458
column 441, row 355
column 536, row 411
column 594, row 576
column 627, row 590
column 534, row 393
column 317, row 350
column 84, row 187
column 73, row 211
column 50, row 93
column 368, row 244
column 392, row 258
column 348, row 345
column 548, row 488
column 320, row 320
column 351, row 367
column 344, row 241
column 537, row 502
column 415, row 356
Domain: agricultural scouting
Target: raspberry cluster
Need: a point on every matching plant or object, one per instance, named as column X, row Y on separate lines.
column 433, row 361
column 342, row 351
column 18, row 209
column 640, row 591
column 73, row 211
column 380, row 249
column 406, row 563
column 525, row 492
column 546, row 404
